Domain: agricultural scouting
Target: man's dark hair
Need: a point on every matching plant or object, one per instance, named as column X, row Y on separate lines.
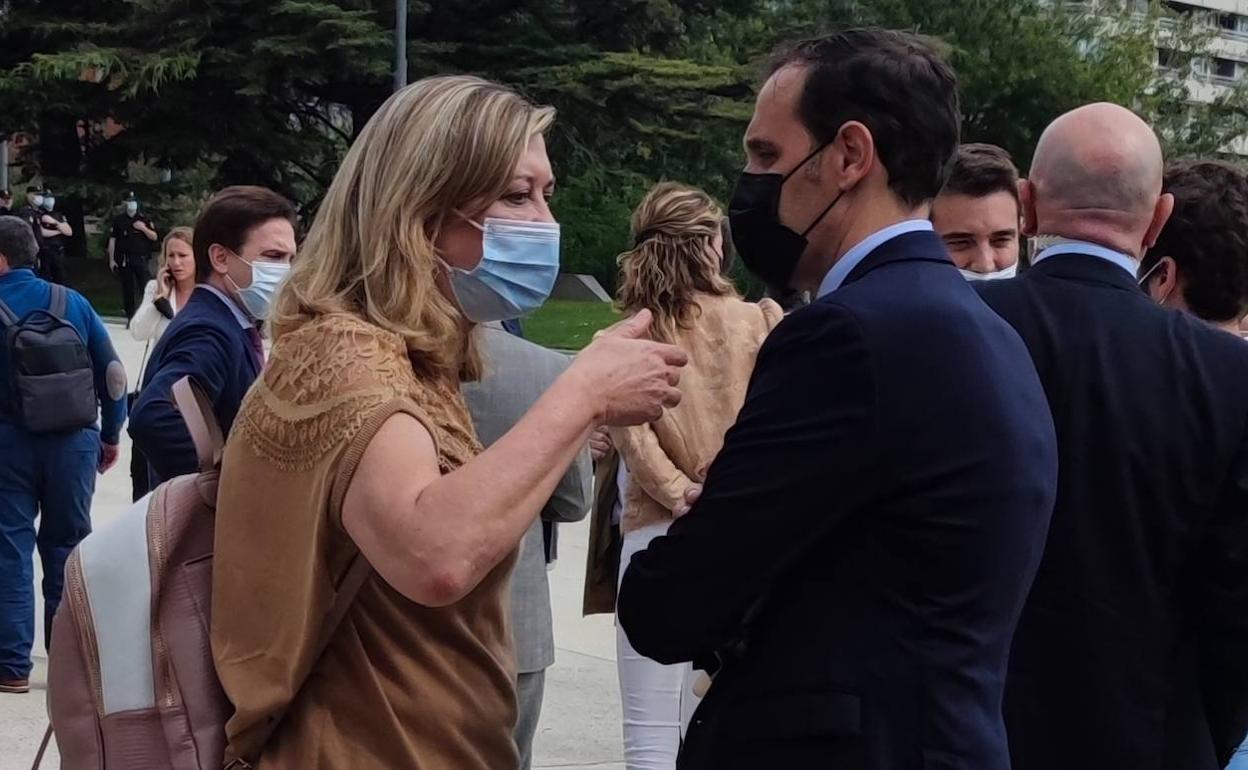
column 17, row 242
column 1207, row 236
column 896, row 85
column 980, row 170
column 230, row 216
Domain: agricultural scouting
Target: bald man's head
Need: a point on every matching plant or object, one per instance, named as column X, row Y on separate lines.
column 1097, row 172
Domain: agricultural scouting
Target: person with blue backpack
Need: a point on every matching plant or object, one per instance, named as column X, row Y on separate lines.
column 62, row 406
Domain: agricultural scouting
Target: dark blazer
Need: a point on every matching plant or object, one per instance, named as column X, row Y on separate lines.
column 205, row 341
column 866, row 537
column 1132, row 651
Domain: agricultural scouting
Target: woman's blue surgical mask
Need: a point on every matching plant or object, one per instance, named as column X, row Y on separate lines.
column 266, row 277
column 518, row 268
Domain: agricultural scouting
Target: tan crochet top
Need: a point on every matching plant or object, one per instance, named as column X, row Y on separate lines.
column 401, row 685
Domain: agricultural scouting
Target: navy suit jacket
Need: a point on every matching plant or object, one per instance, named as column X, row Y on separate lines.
column 205, row 341
column 1132, row 651
column 866, row 537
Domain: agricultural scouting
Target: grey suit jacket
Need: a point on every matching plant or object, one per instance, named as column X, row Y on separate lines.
column 517, row 372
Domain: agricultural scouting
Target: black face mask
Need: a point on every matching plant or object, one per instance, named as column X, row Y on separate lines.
column 770, row 250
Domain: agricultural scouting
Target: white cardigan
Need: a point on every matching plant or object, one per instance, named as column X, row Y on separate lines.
column 148, row 323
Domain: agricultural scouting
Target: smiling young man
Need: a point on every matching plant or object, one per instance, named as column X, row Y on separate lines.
column 977, row 213
column 867, row 535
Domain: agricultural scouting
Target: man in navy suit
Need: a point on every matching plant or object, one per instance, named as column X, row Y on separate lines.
column 1132, row 651
column 866, row 538
column 244, row 242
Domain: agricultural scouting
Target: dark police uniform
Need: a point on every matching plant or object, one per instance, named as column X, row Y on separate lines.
column 52, row 250
column 131, row 251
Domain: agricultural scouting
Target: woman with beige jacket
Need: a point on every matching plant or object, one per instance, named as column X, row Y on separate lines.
column 673, row 270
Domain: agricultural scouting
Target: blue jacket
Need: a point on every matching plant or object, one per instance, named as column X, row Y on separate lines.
column 26, row 292
column 205, row 341
column 866, row 537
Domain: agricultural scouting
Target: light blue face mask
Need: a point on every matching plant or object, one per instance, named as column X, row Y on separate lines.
column 266, row 278
column 518, row 268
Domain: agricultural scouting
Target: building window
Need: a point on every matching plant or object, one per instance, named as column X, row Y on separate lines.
column 1173, row 61
column 1233, row 23
column 1225, row 69
column 1181, row 8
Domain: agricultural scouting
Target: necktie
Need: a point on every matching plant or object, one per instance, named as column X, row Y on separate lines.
column 257, row 347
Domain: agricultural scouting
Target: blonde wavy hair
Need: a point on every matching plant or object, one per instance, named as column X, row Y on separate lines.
column 437, row 146
column 184, row 234
column 673, row 259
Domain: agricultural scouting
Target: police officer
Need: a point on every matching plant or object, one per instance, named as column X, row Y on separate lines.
column 55, row 232
column 129, row 248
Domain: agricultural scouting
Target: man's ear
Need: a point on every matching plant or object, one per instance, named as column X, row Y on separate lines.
column 855, row 153
column 219, row 258
column 1165, row 281
column 1027, row 208
column 1161, row 215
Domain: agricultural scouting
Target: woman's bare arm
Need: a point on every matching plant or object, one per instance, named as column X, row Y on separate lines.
column 434, row 537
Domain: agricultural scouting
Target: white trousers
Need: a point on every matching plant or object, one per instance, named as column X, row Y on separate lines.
column 657, row 700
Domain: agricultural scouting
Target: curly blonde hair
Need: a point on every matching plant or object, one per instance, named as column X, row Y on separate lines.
column 440, row 145
column 673, row 259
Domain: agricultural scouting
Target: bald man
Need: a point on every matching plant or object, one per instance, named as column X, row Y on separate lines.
column 1132, row 650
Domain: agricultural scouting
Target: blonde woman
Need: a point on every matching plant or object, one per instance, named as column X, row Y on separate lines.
column 175, row 280
column 162, row 298
column 674, row 273
column 356, row 441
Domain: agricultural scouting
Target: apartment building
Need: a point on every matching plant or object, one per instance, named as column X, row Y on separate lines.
column 1226, row 61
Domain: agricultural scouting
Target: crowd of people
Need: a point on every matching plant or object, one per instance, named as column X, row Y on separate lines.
column 979, row 499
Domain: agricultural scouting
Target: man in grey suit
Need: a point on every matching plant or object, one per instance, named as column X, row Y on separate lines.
column 517, row 372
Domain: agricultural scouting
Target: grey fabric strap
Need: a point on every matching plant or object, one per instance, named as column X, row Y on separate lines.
column 59, row 301
column 7, row 316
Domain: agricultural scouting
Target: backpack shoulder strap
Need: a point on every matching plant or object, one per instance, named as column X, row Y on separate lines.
column 200, row 421
column 43, row 747
column 357, row 573
column 350, row 587
column 59, row 301
column 7, row 316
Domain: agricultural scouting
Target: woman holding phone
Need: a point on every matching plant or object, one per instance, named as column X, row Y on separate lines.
column 175, row 280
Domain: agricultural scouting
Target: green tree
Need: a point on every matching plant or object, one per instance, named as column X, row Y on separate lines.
column 255, row 91
column 272, row 91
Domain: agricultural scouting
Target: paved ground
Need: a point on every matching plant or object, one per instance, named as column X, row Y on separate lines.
column 581, row 718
